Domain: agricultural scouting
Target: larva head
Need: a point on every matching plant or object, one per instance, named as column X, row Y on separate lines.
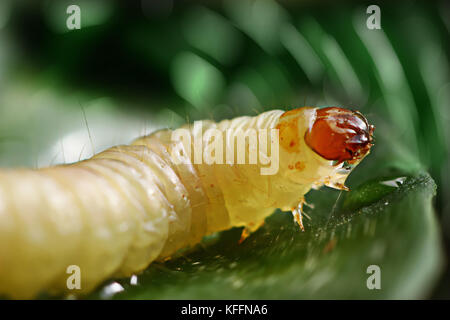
column 340, row 135
column 321, row 146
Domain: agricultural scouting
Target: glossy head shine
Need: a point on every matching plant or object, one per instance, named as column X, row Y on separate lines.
column 340, row 135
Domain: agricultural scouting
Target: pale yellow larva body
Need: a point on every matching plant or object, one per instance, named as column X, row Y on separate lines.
column 114, row 214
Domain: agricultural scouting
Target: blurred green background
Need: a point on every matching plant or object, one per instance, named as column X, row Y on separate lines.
column 135, row 66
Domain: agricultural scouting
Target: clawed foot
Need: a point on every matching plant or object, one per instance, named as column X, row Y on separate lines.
column 298, row 213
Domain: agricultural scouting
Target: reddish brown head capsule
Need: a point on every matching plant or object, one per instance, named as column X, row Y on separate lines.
column 340, row 134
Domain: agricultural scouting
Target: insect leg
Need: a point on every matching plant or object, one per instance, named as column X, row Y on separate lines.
column 298, row 214
column 249, row 229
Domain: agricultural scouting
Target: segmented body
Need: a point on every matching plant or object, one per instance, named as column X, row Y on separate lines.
column 114, row 214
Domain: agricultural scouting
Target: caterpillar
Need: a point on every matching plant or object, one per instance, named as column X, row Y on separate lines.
column 115, row 213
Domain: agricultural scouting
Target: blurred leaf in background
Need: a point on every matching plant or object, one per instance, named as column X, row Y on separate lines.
column 136, row 66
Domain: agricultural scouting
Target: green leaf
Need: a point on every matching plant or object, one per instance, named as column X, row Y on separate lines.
column 385, row 222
